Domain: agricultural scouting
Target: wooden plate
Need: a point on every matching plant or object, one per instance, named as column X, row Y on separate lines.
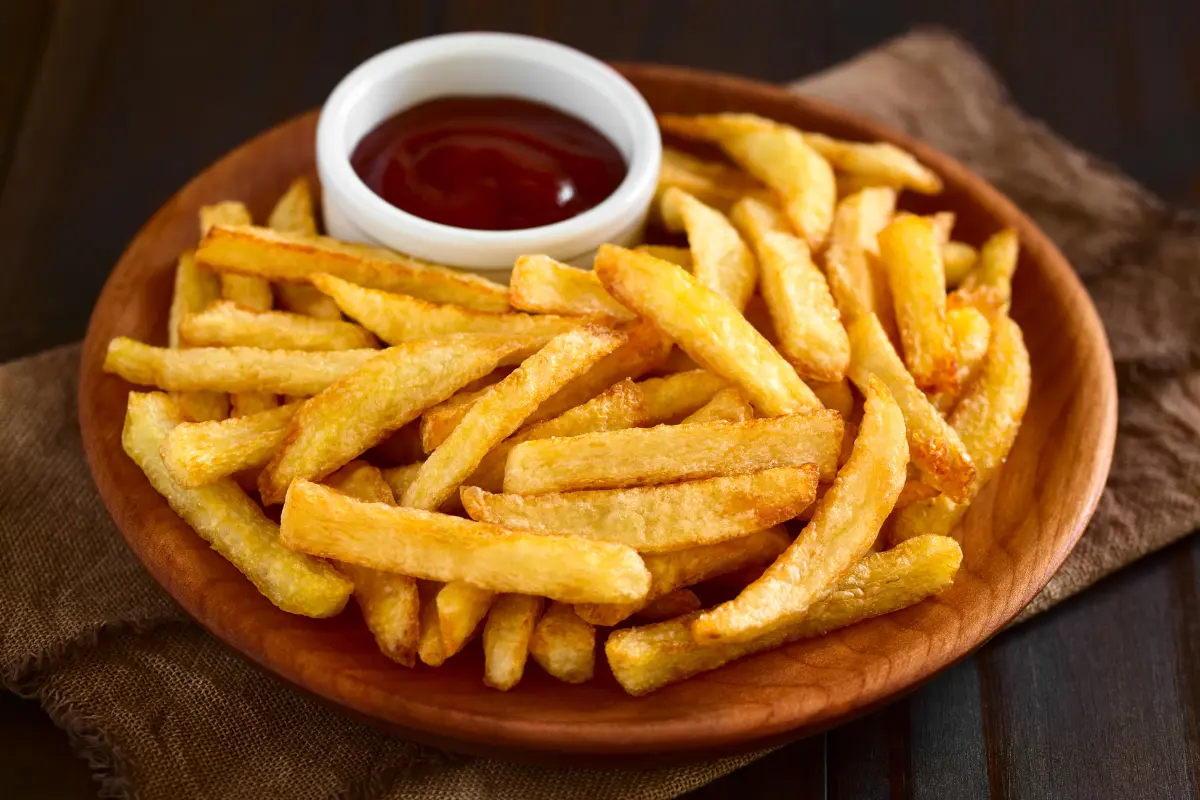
column 1014, row 537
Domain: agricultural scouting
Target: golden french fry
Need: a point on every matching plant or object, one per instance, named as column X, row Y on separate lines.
column 835, row 396
column 358, row 411
column 293, row 213
column 988, row 419
column 243, row 404
column 933, row 444
column 249, row 292
column 619, row 407
column 543, row 285
column 397, row 318
column 713, row 183
column 506, row 636
column 650, row 657
column 848, row 184
column 671, row 453
column 679, row 256
column 972, row 332
column 501, row 411
column 429, row 640
column 202, row 406
column 776, row 154
column 914, row 491
column 671, row 605
column 564, row 645
column 438, row 422
column 231, row 522
column 432, row 546
column 720, row 259
column 400, row 478
column 729, row 405
column 857, row 288
column 657, row 518
column 671, row 398
column 226, row 324
column 389, row 603
column 197, row 453
column 879, row 161
column 706, row 325
column 691, row 565
column 461, row 606
column 844, row 525
column 958, row 259
column 231, row 369
column 295, row 258
column 195, row 289
column 996, row 265
column 909, row 249
column 756, row 218
column 942, row 223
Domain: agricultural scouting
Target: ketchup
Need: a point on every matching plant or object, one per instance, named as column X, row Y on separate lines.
column 488, row 163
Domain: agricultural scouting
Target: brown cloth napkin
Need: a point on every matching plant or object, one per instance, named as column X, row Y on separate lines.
column 161, row 710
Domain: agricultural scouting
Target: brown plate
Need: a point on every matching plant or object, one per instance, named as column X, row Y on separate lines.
column 1015, row 536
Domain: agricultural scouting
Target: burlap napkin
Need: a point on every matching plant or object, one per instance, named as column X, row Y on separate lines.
column 161, row 710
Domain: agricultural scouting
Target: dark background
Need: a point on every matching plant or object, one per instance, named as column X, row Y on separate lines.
column 107, row 107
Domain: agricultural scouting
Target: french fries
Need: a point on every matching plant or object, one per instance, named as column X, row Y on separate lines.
column 776, row 154
column 564, row 645
column 996, row 265
column 672, row 453
column 429, row 641
column 846, row 521
column 461, row 606
column 958, row 259
column 195, row 289
column 713, row 183
column 729, row 405
column 424, row 544
column 231, row 369
column 295, row 258
column 621, row 406
column 691, row 565
column 198, row 453
column 502, row 410
column 671, row 605
column 673, row 397
column 679, row 256
column 878, row 162
column 400, row 478
column 835, row 396
column 933, row 444
column 247, row 291
column 439, row 422
column 988, row 419
column 293, row 213
column 541, row 284
column 657, row 518
column 226, row 324
column 506, row 636
column 909, row 249
column 390, row 603
column 706, row 326
column 231, row 522
column 971, row 332
column 858, row 283
column 647, row 658
column 359, row 410
column 720, row 259
column 243, row 404
column 396, row 318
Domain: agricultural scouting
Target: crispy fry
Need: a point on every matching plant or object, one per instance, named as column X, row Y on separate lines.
column 776, row 154
column 706, row 326
column 429, row 641
column 543, row 285
column 933, row 444
column 671, row 605
column 679, row 256
column 972, row 332
column 671, row 398
column 502, row 410
column 909, row 249
column 295, row 258
column 914, row 491
column 958, row 259
column 835, row 396
column 461, row 606
column 231, row 522
column 713, row 183
column 844, row 525
column 506, row 636
column 729, row 405
column 988, row 419
column 249, row 292
column 438, row 422
column 397, row 318
column 433, row 546
column 400, row 478
column 243, row 404
column 720, row 259
column 197, row 453
column 656, row 518
column 881, row 162
column 670, row 453
column 231, row 369
column 226, row 324
column 564, row 645
column 856, row 287
column 755, row 219
column 848, row 184
column 195, row 289
column 650, row 657
column 390, row 603
column 202, row 406
column 382, row 395
column 621, row 406
column 692, row 565
column 293, row 213
column 996, row 265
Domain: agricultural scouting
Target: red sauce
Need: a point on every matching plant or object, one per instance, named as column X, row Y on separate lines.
column 488, row 163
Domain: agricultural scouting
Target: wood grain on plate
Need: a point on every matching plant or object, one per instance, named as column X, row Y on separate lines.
column 1015, row 537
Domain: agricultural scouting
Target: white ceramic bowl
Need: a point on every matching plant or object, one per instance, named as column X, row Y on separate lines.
column 485, row 64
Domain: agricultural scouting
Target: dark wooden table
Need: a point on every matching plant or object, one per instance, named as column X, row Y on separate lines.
column 107, row 107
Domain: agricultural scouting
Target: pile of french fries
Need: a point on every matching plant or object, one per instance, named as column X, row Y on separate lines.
column 763, row 436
